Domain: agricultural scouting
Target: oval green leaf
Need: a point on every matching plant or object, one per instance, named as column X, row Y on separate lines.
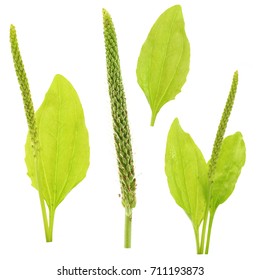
column 230, row 162
column 164, row 60
column 186, row 171
column 64, row 143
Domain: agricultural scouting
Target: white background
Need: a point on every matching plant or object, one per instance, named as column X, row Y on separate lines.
column 66, row 37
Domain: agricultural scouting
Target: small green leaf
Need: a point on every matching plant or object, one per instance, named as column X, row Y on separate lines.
column 186, row 171
column 164, row 60
column 64, row 144
column 230, row 162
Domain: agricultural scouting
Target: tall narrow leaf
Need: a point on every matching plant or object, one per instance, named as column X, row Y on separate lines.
column 163, row 63
column 186, row 171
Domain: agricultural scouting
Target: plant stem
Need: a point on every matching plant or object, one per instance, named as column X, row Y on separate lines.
column 44, row 216
column 51, row 222
column 153, row 119
column 204, row 227
column 38, row 184
column 212, row 214
column 128, row 230
column 196, row 231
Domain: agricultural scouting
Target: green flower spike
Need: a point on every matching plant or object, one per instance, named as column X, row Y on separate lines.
column 25, row 89
column 122, row 136
column 215, row 153
column 30, row 116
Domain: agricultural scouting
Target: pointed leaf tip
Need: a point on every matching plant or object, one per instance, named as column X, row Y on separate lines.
column 60, row 78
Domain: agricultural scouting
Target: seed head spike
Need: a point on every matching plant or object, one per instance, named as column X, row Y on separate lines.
column 122, row 136
column 25, row 89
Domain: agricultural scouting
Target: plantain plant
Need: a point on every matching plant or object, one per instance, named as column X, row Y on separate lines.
column 122, row 136
column 164, row 60
column 57, row 146
column 199, row 187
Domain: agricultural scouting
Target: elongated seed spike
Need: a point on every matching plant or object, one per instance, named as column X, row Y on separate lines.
column 122, row 136
column 222, row 126
column 215, row 152
column 25, row 90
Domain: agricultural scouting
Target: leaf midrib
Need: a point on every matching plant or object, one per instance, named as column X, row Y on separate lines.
column 72, row 154
column 41, row 159
column 57, row 144
column 185, row 184
column 164, row 59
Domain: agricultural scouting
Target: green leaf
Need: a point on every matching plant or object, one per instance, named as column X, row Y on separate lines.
column 64, row 144
column 186, row 171
column 230, row 162
column 164, row 60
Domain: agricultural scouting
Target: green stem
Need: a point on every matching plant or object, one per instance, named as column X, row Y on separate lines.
column 209, row 231
column 51, row 223
column 44, row 216
column 38, row 184
column 204, row 227
column 196, row 231
column 153, row 119
column 128, row 230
